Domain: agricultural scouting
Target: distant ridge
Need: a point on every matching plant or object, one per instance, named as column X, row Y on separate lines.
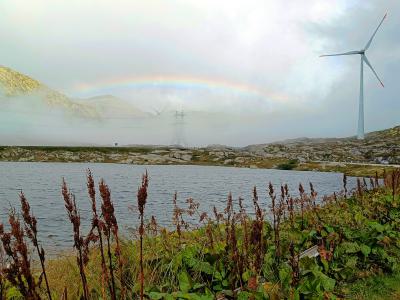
column 390, row 134
column 15, row 84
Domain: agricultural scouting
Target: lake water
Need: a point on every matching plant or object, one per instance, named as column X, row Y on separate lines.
column 41, row 183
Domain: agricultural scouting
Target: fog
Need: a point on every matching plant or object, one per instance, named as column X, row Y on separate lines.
column 242, row 72
column 29, row 120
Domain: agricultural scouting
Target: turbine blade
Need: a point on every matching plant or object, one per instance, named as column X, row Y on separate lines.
column 369, row 65
column 338, row 54
column 373, row 35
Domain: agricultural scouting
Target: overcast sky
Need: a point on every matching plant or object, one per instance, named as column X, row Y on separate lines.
column 253, row 57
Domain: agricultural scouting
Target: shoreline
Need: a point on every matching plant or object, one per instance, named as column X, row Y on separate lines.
column 354, row 236
column 220, row 156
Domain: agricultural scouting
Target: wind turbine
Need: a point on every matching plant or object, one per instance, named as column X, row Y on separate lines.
column 364, row 59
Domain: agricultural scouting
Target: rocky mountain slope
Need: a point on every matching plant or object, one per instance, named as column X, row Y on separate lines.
column 14, row 84
column 377, row 147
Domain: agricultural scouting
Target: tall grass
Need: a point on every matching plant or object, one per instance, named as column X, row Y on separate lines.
column 229, row 255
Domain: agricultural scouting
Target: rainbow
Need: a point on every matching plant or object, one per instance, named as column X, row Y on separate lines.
column 177, row 83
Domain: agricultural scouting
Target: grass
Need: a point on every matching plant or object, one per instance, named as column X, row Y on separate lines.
column 348, row 169
column 379, row 287
column 235, row 253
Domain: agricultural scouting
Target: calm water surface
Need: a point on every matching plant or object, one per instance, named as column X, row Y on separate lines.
column 41, row 183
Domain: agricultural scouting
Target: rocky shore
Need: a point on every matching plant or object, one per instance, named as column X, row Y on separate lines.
column 277, row 156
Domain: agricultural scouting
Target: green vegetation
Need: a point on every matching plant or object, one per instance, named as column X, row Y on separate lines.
column 348, row 169
column 290, row 165
column 379, row 287
column 353, row 241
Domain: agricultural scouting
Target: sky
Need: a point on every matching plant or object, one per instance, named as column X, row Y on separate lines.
column 244, row 71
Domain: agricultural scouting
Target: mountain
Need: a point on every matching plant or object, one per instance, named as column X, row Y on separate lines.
column 16, row 85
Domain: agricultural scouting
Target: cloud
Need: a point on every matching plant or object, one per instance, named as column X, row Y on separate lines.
column 271, row 46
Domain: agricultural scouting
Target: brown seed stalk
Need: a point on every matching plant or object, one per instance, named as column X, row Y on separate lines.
column 31, row 232
column 141, row 200
column 75, row 219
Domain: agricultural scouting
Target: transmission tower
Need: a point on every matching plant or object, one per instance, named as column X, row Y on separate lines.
column 179, row 129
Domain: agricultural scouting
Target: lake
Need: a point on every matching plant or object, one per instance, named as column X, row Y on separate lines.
column 209, row 185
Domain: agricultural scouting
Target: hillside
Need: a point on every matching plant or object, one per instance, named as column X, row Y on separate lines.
column 378, row 147
column 14, row 84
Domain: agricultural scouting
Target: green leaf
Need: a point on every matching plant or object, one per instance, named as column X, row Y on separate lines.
column 177, row 262
column 312, row 233
column 13, row 294
column 348, row 233
column 228, row 293
column 366, row 250
column 218, row 275
column 350, row 247
column 296, row 295
column 284, row 275
column 184, row 281
column 156, row 295
column 182, row 295
column 327, row 282
column 329, row 228
column 206, row 297
column 325, row 264
column 188, row 256
column 217, row 288
column 204, row 267
column 358, row 217
column 246, row 275
column 352, row 262
column 375, row 225
column 243, row 296
column 198, row 285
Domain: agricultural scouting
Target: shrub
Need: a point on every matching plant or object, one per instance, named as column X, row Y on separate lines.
column 289, row 165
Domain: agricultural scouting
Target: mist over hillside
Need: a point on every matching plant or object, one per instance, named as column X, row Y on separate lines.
column 32, row 113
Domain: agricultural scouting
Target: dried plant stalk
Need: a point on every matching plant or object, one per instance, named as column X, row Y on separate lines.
column 107, row 208
column 98, row 225
column 31, row 231
column 141, row 200
column 75, row 219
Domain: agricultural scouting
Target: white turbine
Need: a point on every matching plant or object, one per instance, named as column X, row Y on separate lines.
column 360, row 134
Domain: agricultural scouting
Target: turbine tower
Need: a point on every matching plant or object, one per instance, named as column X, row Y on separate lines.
column 364, row 59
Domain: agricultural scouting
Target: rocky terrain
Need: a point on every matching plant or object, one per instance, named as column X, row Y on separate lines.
column 379, row 150
column 15, row 85
column 381, row 147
